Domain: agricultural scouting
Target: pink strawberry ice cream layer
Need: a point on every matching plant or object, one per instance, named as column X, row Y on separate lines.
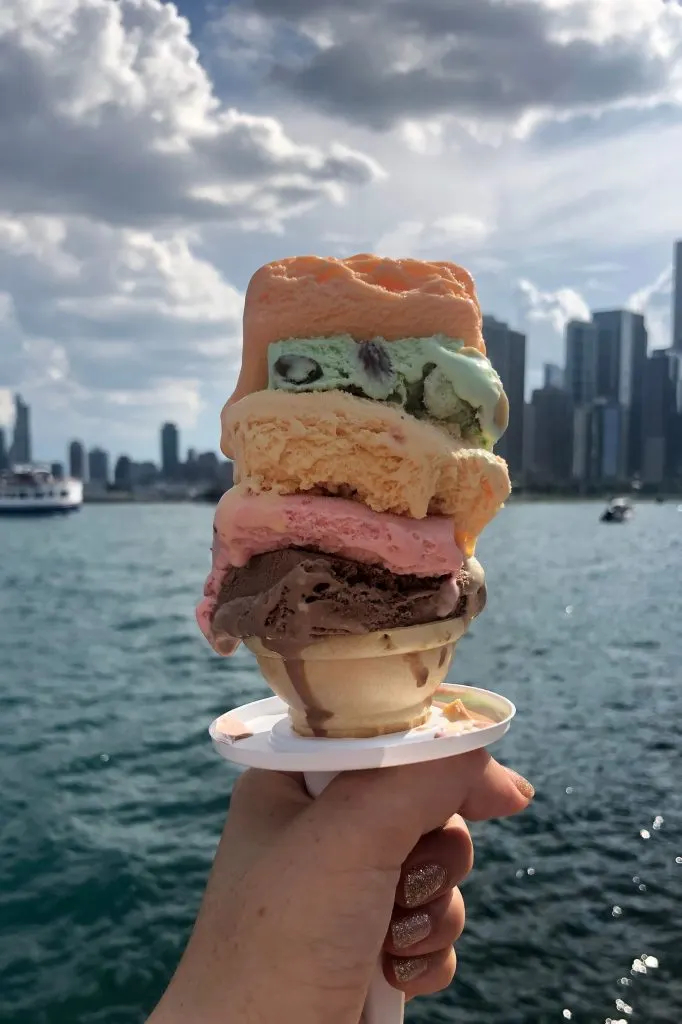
column 205, row 610
column 249, row 525
column 246, row 525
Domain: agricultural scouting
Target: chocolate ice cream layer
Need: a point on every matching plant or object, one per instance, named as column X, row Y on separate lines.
column 301, row 595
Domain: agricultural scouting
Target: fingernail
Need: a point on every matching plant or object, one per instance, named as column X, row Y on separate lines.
column 523, row 785
column 408, row 968
column 411, row 929
column 422, row 883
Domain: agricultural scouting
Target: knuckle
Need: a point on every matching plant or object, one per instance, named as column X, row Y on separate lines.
column 455, row 917
column 457, row 838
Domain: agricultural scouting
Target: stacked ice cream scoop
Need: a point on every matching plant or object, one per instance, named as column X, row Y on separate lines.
column 361, row 429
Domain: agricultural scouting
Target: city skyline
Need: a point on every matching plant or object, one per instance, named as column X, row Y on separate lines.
column 94, row 463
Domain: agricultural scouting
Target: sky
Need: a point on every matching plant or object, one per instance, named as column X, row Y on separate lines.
column 153, row 156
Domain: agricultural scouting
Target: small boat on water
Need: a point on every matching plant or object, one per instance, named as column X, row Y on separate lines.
column 618, row 510
column 33, row 490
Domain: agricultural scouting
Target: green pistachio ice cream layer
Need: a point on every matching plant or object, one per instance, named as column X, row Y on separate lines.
column 437, row 378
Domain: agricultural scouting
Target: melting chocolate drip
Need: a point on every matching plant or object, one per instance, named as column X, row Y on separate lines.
column 315, row 715
column 418, row 668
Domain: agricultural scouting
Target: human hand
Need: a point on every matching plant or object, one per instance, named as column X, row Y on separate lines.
column 305, row 896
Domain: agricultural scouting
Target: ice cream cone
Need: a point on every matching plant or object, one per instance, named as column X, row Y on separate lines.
column 361, row 686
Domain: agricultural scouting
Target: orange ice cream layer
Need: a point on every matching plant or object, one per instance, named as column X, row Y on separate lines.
column 364, row 296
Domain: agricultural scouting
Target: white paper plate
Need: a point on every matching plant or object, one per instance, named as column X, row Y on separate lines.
column 259, row 735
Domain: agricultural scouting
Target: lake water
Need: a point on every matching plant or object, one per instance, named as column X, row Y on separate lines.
column 112, row 800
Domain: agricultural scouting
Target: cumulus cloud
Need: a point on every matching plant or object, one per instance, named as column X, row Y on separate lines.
column 554, row 308
column 107, row 112
column 123, row 308
column 543, row 315
column 117, row 157
column 424, row 137
column 658, row 290
column 29, row 363
column 654, row 301
column 511, row 61
column 107, row 331
column 106, row 388
column 6, row 407
column 458, row 231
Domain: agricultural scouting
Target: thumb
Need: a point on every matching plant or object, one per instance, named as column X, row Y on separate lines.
column 384, row 812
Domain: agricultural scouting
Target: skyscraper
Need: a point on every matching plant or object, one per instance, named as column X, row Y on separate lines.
column 662, row 419
column 580, row 377
column 77, row 460
column 606, row 441
column 20, row 452
column 598, row 443
column 528, row 441
column 170, row 457
column 582, row 419
column 123, row 473
column 207, row 464
column 4, row 453
column 98, row 466
column 677, row 297
column 226, row 474
column 507, row 352
column 553, row 375
column 551, row 456
column 621, row 358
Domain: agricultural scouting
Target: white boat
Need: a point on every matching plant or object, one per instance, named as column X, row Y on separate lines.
column 618, row 510
column 33, row 490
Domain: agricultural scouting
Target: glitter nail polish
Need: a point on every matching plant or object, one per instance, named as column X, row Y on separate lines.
column 408, row 968
column 422, row 883
column 411, row 929
column 523, row 785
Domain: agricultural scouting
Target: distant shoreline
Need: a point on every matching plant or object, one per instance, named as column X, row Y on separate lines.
column 516, row 497
column 638, row 497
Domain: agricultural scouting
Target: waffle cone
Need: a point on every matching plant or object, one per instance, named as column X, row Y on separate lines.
column 361, row 686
